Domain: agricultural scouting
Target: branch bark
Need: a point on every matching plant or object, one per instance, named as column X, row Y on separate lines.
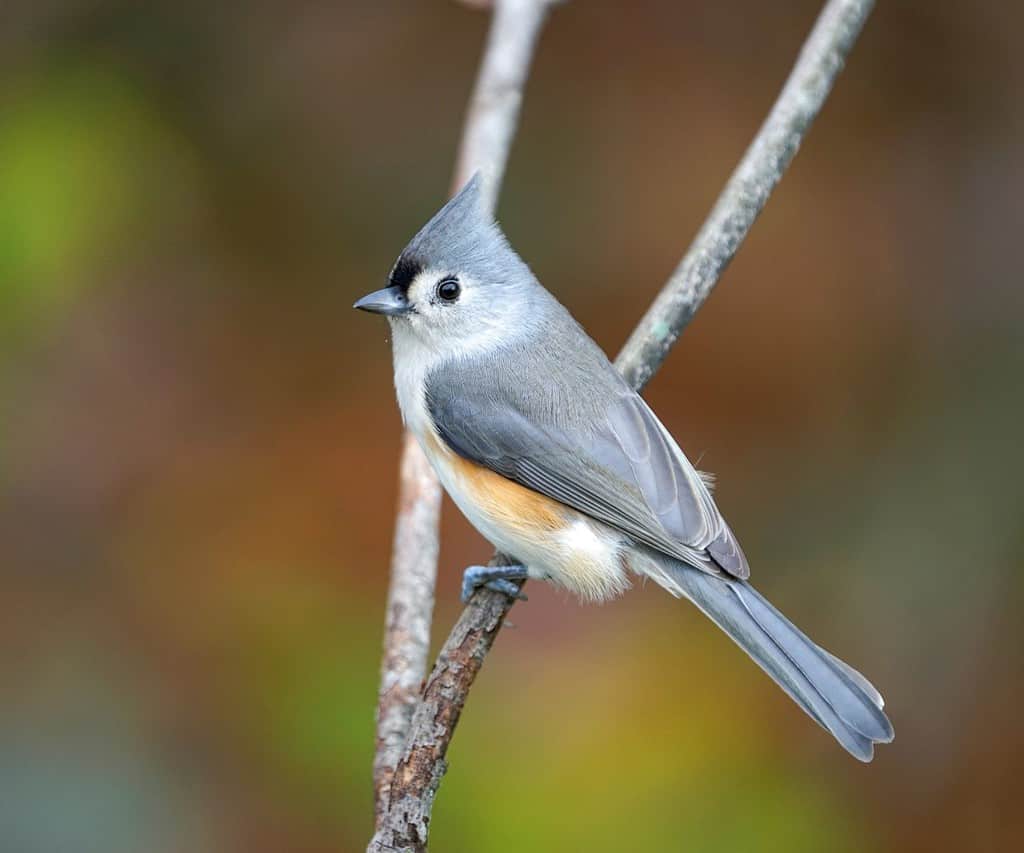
column 765, row 161
column 410, row 608
column 490, row 125
column 422, row 763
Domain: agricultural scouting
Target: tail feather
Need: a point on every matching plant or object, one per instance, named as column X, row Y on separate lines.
column 860, row 681
column 836, row 696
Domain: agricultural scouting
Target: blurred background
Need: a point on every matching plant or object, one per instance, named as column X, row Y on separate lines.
column 199, row 441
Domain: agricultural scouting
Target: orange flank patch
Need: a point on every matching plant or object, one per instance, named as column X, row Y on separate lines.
column 505, row 502
column 554, row 540
column 508, row 503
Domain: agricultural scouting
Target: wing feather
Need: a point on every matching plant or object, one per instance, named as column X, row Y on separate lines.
column 622, row 467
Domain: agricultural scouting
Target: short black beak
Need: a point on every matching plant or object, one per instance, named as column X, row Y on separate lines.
column 390, row 301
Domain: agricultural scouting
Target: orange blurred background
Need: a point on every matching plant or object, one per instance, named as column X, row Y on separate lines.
column 199, row 441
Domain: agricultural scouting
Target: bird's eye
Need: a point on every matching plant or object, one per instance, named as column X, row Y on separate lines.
column 448, row 289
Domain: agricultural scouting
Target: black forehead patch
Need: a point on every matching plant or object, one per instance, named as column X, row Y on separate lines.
column 406, row 269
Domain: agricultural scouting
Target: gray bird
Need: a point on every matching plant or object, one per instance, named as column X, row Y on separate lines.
column 559, row 463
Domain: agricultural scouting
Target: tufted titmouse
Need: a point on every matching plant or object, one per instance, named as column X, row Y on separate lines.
column 559, row 463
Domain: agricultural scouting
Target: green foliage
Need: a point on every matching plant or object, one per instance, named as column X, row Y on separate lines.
column 78, row 151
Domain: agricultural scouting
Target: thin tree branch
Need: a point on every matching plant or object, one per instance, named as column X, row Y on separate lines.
column 409, row 612
column 493, row 114
column 490, row 124
column 422, row 765
column 802, row 97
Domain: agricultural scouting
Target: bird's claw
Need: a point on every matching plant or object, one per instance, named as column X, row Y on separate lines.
column 498, row 578
column 507, row 587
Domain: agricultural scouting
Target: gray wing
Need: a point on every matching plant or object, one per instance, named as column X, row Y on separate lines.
column 621, row 466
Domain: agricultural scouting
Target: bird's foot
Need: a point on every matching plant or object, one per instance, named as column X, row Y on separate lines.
column 498, row 578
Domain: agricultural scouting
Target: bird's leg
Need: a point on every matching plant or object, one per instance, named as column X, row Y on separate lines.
column 498, row 578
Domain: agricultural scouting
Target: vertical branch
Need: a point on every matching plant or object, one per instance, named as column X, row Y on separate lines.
column 422, row 764
column 410, row 607
column 493, row 113
column 490, row 125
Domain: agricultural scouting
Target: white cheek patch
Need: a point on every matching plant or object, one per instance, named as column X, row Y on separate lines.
column 421, row 290
column 463, row 328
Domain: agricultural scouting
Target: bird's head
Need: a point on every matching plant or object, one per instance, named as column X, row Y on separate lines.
column 458, row 283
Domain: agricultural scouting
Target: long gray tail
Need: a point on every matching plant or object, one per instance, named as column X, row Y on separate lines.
column 833, row 693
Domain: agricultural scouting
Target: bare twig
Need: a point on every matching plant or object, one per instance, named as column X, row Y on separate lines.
column 821, row 59
column 422, row 765
column 494, row 106
column 409, row 612
column 487, row 137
